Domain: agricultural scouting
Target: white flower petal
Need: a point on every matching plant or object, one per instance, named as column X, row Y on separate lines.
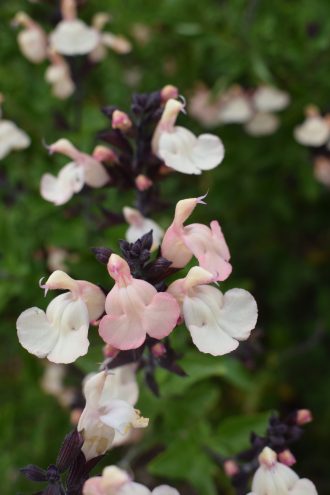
column 74, row 37
column 35, row 333
column 269, row 99
column 236, row 110
column 33, row 44
column 165, row 490
column 59, row 190
column 218, row 322
column 133, row 488
column 183, row 151
column 262, row 124
column 303, row 487
column 314, row 131
column 72, row 320
column 120, row 415
column 11, row 138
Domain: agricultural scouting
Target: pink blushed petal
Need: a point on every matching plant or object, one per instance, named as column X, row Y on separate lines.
column 161, row 315
column 93, row 486
column 121, row 332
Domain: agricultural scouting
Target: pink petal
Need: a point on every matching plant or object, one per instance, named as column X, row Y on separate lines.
column 122, row 332
column 161, row 315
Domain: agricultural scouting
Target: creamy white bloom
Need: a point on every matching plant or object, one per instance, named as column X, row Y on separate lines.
column 61, row 333
column 235, row 107
column 180, row 148
column 84, row 169
column 140, row 225
column 274, row 478
column 73, row 37
column 217, row 322
column 11, row 137
column 58, row 75
column 107, row 411
column 115, row 481
column 32, row 40
column 262, row 124
column 269, row 99
column 314, row 131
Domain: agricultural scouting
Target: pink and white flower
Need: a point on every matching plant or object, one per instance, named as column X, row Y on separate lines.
column 32, row 39
column 115, row 481
column 58, row 75
column 106, row 412
column 134, row 309
column 207, row 244
column 315, row 130
column 217, row 322
column 180, row 148
column 83, row 169
column 115, row 42
column 11, row 137
column 275, row 478
column 71, row 35
column 61, row 333
column 140, row 225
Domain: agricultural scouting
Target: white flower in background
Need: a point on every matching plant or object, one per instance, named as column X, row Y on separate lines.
column 274, row 478
column 180, row 148
column 314, row 131
column 204, row 107
column 217, row 322
column 139, row 225
column 269, row 99
column 59, row 76
column 235, row 107
column 71, row 35
column 262, row 124
column 117, row 43
column 84, row 169
column 115, row 481
column 107, row 411
column 32, row 40
column 322, row 169
column 61, row 333
column 52, row 382
column 11, row 137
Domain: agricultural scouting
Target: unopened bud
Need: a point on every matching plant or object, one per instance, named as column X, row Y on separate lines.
column 120, row 120
column 267, row 457
column 303, row 416
column 231, row 468
column 109, row 351
column 104, row 154
column 286, row 457
column 158, row 350
column 169, row 91
column 142, row 182
column 75, row 416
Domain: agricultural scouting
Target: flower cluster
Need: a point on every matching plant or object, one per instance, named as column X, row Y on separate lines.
column 71, row 37
column 314, row 132
column 254, row 108
column 144, row 148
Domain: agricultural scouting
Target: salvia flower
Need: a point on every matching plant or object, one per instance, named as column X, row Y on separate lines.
column 83, row 169
column 134, row 309
column 315, row 130
column 216, row 321
column 117, row 43
column 32, row 39
column 61, row 333
column 11, row 137
column 59, row 77
column 106, row 412
column 207, row 244
column 274, row 478
column 139, row 225
column 71, row 35
column 180, row 148
column 115, row 481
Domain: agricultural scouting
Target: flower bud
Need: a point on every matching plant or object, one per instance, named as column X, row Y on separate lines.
column 303, row 416
column 110, row 351
column 120, row 120
column 158, row 350
column 142, row 182
column 231, row 468
column 286, row 457
column 169, row 91
column 104, row 154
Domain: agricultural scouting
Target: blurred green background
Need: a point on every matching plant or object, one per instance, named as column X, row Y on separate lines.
column 274, row 214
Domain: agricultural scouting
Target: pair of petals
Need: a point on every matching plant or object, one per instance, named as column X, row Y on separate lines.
column 140, row 225
column 217, row 322
column 84, row 169
column 134, row 309
column 61, row 333
column 11, row 138
column 107, row 411
column 73, row 37
column 207, row 244
column 274, row 478
column 180, row 149
column 115, row 481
